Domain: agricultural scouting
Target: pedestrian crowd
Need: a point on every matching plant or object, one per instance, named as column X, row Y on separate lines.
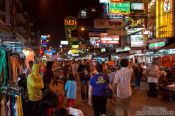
column 51, row 83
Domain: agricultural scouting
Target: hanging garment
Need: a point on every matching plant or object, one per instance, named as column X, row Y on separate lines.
column 15, row 64
column 19, row 103
column 13, row 105
column 8, row 106
column 3, row 106
column 3, row 66
column 16, row 107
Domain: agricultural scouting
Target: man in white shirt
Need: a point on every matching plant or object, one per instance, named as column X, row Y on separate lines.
column 153, row 75
column 122, row 88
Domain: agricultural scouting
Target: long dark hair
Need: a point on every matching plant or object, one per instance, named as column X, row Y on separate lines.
column 71, row 77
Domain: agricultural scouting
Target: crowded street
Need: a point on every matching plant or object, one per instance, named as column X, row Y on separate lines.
column 87, row 57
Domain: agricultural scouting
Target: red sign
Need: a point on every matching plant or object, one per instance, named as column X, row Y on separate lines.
column 116, row 0
column 107, row 39
column 109, row 42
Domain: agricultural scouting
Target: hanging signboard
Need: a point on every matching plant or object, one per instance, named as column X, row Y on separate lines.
column 110, row 24
column 109, row 39
column 167, row 6
column 103, row 1
column 93, row 41
column 137, row 6
column 171, row 51
column 157, row 45
column 64, row 42
column 123, row 49
column 119, row 8
column 116, row 32
column 165, row 26
column 113, row 1
column 133, row 30
column 135, row 22
column 94, row 34
column 70, row 23
column 137, row 41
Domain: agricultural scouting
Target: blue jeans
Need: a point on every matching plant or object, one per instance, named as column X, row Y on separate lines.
column 137, row 82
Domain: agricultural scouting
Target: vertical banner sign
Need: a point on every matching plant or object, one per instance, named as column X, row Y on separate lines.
column 70, row 23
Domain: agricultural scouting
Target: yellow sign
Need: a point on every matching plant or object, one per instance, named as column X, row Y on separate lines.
column 70, row 22
column 164, row 19
column 135, row 23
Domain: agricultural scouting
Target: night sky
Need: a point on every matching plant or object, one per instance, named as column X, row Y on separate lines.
column 49, row 15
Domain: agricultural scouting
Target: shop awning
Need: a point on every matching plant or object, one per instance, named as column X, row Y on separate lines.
column 103, row 54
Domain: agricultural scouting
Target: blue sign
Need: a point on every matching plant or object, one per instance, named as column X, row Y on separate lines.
column 43, row 37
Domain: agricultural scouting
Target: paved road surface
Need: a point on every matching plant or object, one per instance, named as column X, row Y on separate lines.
column 138, row 101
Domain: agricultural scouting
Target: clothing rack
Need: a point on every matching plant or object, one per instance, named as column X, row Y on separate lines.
column 12, row 90
column 12, row 96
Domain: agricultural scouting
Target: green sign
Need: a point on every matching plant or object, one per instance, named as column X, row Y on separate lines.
column 70, row 23
column 156, row 45
column 119, row 8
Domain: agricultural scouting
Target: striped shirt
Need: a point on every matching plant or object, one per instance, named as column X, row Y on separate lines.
column 122, row 79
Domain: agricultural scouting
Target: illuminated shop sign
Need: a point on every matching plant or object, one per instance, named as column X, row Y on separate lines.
column 164, row 19
column 43, row 37
column 167, row 5
column 171, row 51
column 110, row 24
column 137, row 6
column 119, row 8
column 64, row 43
column 94, row 41
column 70, row 22
column 116, row 1
column 107, row 39
column 75, row 46
column 123, row 49
column 135, row 22
column 133, row 30
column 104, row 1
column 50, row 51
column 103, row 49
column 157, row 45
column 137, row 41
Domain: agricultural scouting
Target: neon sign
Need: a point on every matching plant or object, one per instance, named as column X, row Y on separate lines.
column 135, row 23
column 116, row 1
column 167, row 5
column 70, row 22
column 119, row 8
